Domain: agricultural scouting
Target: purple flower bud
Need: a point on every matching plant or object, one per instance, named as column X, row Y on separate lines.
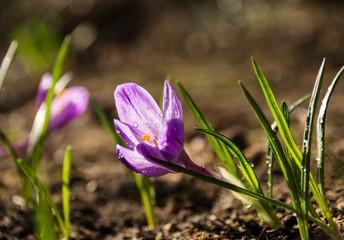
column 66, row 106
column 69, row 104
column 150, row 132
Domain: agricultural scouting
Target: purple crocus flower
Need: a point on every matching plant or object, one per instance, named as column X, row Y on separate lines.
column 150, row 132
column 69, row 104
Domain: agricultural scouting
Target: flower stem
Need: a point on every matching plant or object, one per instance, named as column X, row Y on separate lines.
column 147, row 192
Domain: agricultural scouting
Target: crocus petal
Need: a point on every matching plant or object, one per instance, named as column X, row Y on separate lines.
column 183, row 156
column 43, row 88
column 138, row 163
column 173, row 139
column 72, row 103
column 172, row 108
column 130, row 134
column 136, row 107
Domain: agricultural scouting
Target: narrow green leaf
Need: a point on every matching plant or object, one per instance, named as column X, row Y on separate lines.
column 277, row 113
column 274, row 141
column 224, row 184
column 14, row 158
column 321, row 133
column 244, row 164
column 67, row 163
column 288, row 139
column 43, row 191
column 247, row 172
column 144, row 184
column 306, row 147
column 220, row 149
column 45, row 227
column 41, row 122
column 106, row 123
column 5, row 64
column 280, row 157
column 270, row 156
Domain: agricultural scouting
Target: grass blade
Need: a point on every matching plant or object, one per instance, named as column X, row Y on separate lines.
column 14, row 158
column 224, row 184
column 274, row 141
column 41, row 122
column 270, row 156
column 306, row 147
column 282, row 160
column 145, row 186
column 220, row 149
column 44, row 192
column 244, row 164
column 277, row 114
column 106, row 123
column 40, row 127
column 321, row 133
column 5, row 64
column 67, row 162
column 267, row 211
column 44, row 220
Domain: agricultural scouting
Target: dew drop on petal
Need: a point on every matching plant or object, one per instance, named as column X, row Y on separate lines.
column 147, row 108
column 135, row 124
column 161, row 115
column 157, row 125
column 147, row 125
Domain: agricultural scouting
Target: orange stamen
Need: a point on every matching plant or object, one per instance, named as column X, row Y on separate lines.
column 156, row 144
column 145, row 137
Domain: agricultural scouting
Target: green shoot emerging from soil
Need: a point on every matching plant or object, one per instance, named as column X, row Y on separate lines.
column 294, row 163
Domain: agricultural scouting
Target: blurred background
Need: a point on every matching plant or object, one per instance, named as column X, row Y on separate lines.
column 205, row 44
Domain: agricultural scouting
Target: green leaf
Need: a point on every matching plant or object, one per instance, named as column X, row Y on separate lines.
column 321, row 132
column 41, row 123
column 221, row 183
column 245, row 165
column 67, row 163
column 40, row 126
column 306, row 147
column 280, row 157
column 147, row 192
column 249, row 174
column 45, row 228
column 220, row 149
column 106, row 123
column 277, row 113
column 5, row 64
column 44, row 192
column 14, row 158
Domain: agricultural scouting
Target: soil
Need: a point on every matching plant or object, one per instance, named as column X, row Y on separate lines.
column 105, row 203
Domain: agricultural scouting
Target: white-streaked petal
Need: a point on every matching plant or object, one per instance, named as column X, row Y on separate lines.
column 137, row 163
column 136, row 107
column 130, row 135
column 69, row 105
column 172, row 108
